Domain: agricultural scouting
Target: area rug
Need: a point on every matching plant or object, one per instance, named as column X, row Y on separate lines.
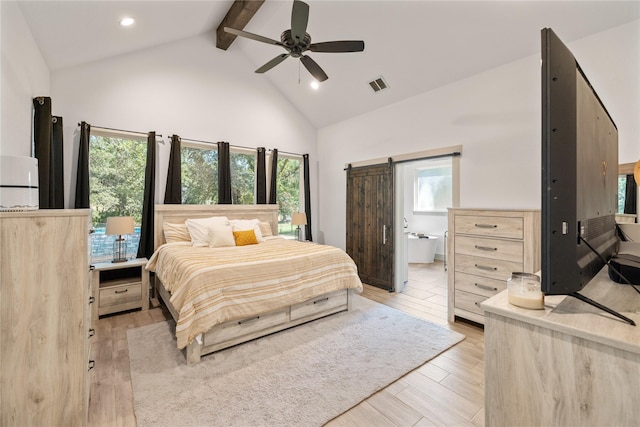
column 304, row 376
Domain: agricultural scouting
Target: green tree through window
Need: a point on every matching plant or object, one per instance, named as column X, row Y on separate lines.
column 199, row 175
column 116, row 187
column 288, row 194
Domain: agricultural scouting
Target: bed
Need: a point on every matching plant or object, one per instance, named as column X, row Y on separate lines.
column 223, row 296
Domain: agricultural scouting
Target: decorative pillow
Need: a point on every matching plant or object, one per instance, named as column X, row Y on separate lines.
column 245, row 237
column 175, row 232
column 247, row 224
column 199, row 228
column 265, row 229
column 221, row 236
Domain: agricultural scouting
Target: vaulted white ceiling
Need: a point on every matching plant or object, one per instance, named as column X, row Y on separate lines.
column 415, row 45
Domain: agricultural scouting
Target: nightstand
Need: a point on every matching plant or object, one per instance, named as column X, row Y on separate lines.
column 119, row 286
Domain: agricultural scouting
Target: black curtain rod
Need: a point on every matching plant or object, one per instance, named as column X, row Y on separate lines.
column 215, row 143
column 417, row 159
column 287, row 152
column 121, row 130
column 236, row 146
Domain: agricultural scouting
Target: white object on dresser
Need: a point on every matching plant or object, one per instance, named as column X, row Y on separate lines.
column 484, row 247
column 119, row 286
column 45, row 324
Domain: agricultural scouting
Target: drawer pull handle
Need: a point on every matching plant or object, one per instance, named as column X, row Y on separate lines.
column 253, row 319
column 485, row 248
column 485, row 287
column 92, row 332
column 485, row 267
column 92, row 364
column 318, row 301
column 122, row 291
column 486, row 226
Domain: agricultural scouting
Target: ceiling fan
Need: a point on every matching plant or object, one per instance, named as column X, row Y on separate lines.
column 296, row 41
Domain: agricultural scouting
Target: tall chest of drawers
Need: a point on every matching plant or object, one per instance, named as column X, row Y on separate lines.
column 44, row 317
column 484, row 247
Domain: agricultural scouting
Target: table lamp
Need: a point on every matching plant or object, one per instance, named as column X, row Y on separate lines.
column 119, row 225
column 299, row 218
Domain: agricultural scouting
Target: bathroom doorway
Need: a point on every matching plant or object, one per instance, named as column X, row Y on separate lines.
column 425, row 188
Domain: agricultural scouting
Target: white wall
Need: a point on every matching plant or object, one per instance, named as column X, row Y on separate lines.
column 24, row 76
column 495, row 116
column 176, row 89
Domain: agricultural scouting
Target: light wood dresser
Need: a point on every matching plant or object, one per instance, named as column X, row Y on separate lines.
column 45, row 318
column 570, row 364
column 484, row 247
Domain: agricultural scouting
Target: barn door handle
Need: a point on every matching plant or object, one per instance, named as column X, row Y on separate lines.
column 384, row 234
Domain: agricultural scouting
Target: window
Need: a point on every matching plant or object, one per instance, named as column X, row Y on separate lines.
column 288, row 193
column 116, row 182
column 432, row 186
column 243, row 176
column 199, row 174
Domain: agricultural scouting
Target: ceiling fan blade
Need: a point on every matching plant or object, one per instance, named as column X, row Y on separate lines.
column 275, row 61
column 315, row 70
column 338, row 46
column 252, row 36
column 299, row 20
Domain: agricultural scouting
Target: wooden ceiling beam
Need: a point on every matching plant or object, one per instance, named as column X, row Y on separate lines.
column 239, row 15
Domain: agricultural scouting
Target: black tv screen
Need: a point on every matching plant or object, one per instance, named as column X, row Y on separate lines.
column 579, row 173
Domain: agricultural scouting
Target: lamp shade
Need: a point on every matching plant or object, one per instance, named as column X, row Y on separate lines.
column 119, row 225
column 636, row 172
column 299, row 218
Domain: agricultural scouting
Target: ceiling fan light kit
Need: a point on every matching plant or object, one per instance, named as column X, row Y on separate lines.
column 296, row 41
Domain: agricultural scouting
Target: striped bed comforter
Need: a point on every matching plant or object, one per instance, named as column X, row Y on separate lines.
column 210, row 286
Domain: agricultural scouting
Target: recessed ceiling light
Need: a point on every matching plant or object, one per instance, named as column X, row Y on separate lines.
column 315, row 85
column 127, row 21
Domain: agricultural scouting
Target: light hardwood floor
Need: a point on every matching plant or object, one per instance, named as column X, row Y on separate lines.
column 446, row 391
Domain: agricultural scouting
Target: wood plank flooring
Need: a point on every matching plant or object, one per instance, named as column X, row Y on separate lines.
column 448, row 390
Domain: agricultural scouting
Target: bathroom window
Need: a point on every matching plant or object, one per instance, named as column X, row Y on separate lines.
column 432, row 186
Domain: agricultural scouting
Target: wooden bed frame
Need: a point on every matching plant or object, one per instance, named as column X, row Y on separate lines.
column 238, row 331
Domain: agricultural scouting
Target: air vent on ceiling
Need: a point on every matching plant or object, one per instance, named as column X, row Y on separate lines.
column 378, row 84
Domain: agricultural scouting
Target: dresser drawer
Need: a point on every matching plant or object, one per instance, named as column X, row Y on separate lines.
column 240, row 328
column 469, row 302
column 120, row 294
column 490, row 226
column 507, row 250
column 491, row 268
column 332, row 303
column 479, row 285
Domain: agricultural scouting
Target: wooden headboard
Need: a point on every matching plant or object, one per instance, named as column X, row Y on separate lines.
column 177, row 214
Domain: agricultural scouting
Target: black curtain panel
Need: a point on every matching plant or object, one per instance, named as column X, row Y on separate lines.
column 261, row 176
column 82, row 175
column 630, row 196
column 43, row 142
column 56, row 187
column 145, row 248
column 273, row 190
column 224, row 174
column 173, row 191
column 307, row 198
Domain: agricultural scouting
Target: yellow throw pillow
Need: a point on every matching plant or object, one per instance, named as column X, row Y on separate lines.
column 245, row 237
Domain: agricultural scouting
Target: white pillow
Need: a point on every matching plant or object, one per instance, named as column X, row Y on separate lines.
column 221, row 236
column 175, row 232
column 247, row 224
column 199, row 228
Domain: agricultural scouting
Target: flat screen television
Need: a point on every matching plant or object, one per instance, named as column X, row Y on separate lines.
column 579, row 175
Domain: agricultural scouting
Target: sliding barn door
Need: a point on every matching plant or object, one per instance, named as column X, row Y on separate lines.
column 370, row 223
